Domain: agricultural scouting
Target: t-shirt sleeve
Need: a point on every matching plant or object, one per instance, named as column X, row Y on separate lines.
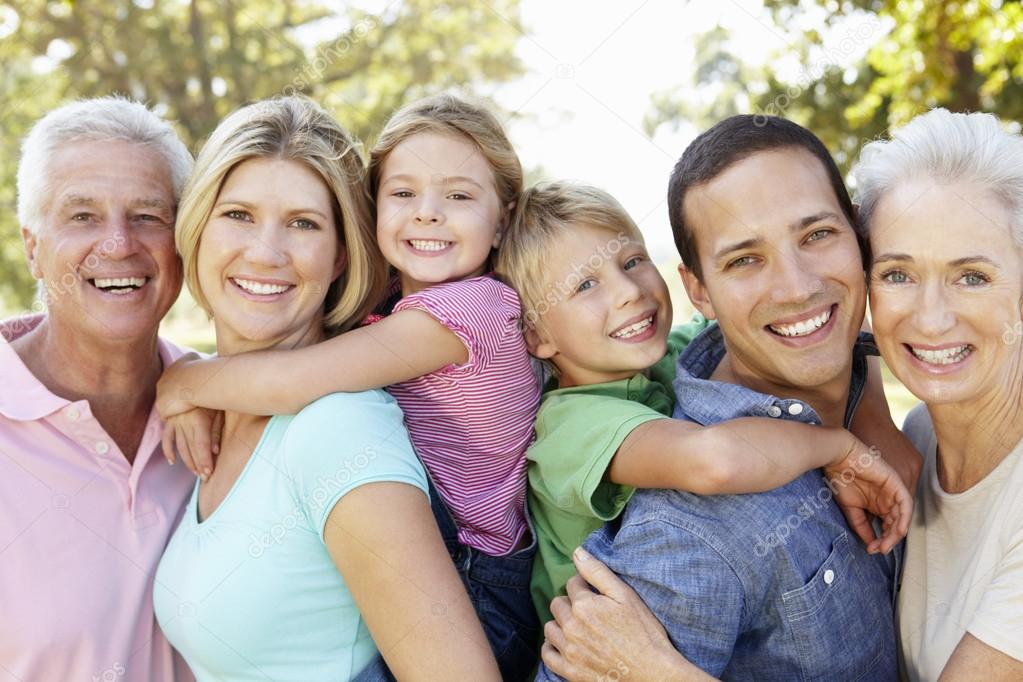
column 481, row 312
column 343, row 441
column 576, row 438
column 998, row 620
column 691, row 589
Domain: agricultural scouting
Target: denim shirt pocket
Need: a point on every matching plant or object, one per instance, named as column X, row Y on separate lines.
column 833, row 630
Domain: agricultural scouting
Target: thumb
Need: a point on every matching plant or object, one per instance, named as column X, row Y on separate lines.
column 599, row 575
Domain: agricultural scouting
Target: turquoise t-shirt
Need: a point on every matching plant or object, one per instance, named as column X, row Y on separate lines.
column 251, row 592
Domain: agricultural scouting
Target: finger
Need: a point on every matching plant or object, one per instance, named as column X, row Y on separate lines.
column 561, row 609
column 578, row 589
column 554, row 635
column 217, row 431
column 199, row 444
column 905, row 506
column 860, row 524
column 554, row 661
column 183, row 452
column 600, row 576
column 167, row 441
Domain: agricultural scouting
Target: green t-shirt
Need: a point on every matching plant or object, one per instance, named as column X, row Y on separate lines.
column 578, row 431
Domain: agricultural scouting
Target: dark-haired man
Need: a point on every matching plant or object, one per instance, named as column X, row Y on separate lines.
column 774, row 585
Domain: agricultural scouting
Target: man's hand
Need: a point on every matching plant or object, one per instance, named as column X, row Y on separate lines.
column 195, row 435
column 864, row 483
column 609, row 634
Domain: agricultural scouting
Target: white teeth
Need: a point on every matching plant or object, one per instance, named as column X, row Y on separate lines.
column 428, row 244
column 945, row 356
column 119, row 283
column 261, row 288
column 803, row 328
column 633, row 329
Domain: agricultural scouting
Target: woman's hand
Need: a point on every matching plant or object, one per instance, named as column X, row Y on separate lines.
column 195, row 435
column 864, row 483
column 609, row 634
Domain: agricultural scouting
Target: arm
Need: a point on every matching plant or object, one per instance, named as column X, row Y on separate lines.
column 609, row 630
column 872, row 423
column 755, row 454
column 405, row 585
column 973, row 660
column 405, row 345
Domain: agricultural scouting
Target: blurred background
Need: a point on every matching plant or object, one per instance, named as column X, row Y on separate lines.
column 608, row 93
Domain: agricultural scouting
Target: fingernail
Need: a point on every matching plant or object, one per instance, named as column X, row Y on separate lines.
column 169, row 461
column 581, row 554
column 206, row 472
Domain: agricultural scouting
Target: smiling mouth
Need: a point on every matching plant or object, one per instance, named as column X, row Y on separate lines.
column 803, row 327
column 119, row 285
column 428, row 244
column 260, row 288
column 634, row 329
column 945, row 356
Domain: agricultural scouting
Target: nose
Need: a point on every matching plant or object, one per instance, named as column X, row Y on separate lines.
column 427, row 210
column 119, row 240
column 933, row 316
column 266, row 246
column 626, row 290
column 794, row 280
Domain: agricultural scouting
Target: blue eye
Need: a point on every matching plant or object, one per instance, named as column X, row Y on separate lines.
column 894, row 277
column 305, row 224
column 632, row 262
column 974, row 278
column 586, row 284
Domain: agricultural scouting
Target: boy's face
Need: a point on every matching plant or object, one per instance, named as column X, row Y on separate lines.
column 782, row 272
column 606, row 313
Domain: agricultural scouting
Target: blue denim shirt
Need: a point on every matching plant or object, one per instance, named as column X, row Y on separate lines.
column 765, row 586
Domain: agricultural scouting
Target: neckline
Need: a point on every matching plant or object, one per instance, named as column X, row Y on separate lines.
column 203, row 523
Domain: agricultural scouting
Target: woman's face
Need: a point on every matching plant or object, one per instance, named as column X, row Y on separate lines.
column 268, row 254
column 945, row 290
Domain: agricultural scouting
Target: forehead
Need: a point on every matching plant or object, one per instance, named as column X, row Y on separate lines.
column 436, row 155
column 924, row 219
column 260, row 180
column 590, row 246
column 759, row 196
column 109, row 171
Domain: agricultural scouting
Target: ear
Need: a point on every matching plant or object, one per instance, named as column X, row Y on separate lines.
column 340, row 262
column 31, row 240
column 538, row 344
column 697, row 292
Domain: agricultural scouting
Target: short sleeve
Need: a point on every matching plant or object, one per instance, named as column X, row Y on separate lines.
column 576, row 438
column 690, row 588
column 998, row 620
column 343, row 441
column 481, row 312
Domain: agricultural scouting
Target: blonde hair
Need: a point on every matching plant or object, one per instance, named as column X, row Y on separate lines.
column 449, row 115
column 544, row 214
column 297, row 129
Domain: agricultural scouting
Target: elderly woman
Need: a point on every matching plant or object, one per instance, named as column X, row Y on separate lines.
column 312, row 543
column 942, row 205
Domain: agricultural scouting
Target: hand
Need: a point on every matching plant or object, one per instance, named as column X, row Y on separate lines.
column 172, row 390
column 196, row 436
column 609, row 634
column 863, row 482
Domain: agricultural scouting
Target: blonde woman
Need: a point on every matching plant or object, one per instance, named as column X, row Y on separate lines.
column 313, row 542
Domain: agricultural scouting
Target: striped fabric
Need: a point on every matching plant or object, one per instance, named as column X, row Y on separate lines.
column 471, row 423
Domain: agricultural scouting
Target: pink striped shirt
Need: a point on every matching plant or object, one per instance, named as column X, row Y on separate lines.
column 471, row 423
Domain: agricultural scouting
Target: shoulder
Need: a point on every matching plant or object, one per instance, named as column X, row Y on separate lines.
column 918, row 428
column 477, row 290
column 341, row 412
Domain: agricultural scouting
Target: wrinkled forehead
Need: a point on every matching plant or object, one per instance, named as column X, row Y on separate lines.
column 109, row 172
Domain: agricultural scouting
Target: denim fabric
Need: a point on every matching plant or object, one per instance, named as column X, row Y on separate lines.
column 766, row 586
column 499, row 590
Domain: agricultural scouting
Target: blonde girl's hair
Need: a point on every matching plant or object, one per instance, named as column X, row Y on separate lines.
column 295, row 129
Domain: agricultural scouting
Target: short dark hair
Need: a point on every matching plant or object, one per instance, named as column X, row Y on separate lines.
column 728, row 142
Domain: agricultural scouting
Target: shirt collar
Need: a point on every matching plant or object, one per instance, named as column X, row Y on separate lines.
column 704, row 401
column 26, row 398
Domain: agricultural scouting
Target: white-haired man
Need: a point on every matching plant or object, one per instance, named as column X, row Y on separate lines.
column 86, row 502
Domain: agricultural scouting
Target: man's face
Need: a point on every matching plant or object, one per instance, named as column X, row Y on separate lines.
column 782, row 272
column 105, row 247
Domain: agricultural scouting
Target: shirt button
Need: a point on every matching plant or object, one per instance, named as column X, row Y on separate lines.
column 774, row 411
column 102, row 447
column 73, row 414
column 795, row 408
column 829, row 577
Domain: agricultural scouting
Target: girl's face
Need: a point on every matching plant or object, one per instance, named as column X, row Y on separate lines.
column 268, row 254
column 438, row 213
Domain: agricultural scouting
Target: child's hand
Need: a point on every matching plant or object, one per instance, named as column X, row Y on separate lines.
column 195, row 435
column 862, row 483
column 172, row 391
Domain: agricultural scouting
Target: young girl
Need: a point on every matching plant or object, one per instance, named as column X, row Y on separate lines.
column 448, row 347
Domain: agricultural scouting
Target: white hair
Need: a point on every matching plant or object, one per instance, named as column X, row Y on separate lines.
column 947, row 147
column 92, row 120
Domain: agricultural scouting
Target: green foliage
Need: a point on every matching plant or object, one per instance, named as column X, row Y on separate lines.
column 196, row 60
column 965, row 55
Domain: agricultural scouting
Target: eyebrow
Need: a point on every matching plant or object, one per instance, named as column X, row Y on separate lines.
column 811, row 219
column 247, row 205
column 142, row 202
column 958, row 262
column 445, row 179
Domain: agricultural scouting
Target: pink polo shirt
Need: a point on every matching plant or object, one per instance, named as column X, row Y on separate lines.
column 81, row 534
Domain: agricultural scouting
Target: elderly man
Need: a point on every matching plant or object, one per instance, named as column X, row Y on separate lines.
column 86, row 502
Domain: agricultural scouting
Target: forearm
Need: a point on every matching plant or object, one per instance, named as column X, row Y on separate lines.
column 872, row 423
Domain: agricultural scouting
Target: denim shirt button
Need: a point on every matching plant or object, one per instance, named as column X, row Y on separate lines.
column 774, row 411
column 795, row 409
column 829, row 577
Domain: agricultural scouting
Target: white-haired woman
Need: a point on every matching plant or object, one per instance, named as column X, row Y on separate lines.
column 312, row 543
column 942, row 204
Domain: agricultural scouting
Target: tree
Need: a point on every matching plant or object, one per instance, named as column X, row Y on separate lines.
column 965, row 55
column 196, row 60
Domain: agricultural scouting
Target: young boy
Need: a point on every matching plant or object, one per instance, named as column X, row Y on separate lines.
column 596, row 308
